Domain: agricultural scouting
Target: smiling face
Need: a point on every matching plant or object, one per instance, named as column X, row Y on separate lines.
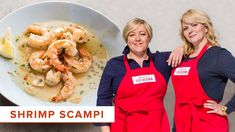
column 196, row 28
column 194, row 33
column 138, row 39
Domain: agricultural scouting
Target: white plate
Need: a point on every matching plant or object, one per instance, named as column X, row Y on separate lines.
column 104, row 29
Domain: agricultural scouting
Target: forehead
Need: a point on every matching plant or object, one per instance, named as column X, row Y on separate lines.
column 184, row 24
column 138, row 28
column 187, row 23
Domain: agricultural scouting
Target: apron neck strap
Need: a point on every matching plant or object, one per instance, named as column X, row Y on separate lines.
column 126, row 63
column 202, row 51
column 151, row 62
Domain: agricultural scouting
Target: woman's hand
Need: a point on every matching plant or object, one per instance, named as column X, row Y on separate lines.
column 215, row 108
column 176, row 56
column 105, row 128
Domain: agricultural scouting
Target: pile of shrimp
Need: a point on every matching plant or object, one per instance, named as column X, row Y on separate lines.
column 57, row 56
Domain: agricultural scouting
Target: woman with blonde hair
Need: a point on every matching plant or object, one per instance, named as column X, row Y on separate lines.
column 136, row 82
column 199, row 81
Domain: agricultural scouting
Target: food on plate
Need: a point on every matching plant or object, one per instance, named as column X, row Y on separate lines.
column 59, row 61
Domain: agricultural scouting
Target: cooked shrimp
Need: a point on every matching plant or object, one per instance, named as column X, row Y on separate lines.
column 79, row 63
column 67, row 89
column 38, row 62
column 80, row 35
column 67, row 35
column 53, row 77
column 39, row 37
column 58, row 47
column 37, row 80
column 60, row 31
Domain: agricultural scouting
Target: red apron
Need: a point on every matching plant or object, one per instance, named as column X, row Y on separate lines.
column 190, row 114
column 139, row 101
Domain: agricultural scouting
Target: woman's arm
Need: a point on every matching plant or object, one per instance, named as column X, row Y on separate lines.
column 226, row 64
column 104, row 95
column 226, row 68
column 105, row 92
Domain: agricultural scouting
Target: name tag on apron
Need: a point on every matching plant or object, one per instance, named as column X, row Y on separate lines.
column 184, row 71
column 143, row 79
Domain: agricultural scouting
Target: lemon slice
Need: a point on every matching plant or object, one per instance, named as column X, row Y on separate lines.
column 6, row 44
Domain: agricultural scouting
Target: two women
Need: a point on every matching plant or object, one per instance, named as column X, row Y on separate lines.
column 136, row 83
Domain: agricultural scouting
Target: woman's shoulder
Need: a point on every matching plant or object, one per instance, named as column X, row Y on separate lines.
column 220, row 51
column 218, row 55
column 115, row 61
column 115, row 67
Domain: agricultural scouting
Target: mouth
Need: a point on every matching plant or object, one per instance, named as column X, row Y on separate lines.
column 137, row 43
column 191, row 36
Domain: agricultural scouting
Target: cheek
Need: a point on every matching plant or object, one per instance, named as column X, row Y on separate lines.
column 202, row 30
column 205, row 31
column 185, row 35
column 129, row 40
column 202, row 33
column 147, row 40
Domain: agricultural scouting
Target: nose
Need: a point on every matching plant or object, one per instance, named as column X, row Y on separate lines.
column 137, row 38
column 190, row 30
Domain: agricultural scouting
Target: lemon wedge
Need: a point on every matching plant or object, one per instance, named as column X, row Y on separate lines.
column 6, row 44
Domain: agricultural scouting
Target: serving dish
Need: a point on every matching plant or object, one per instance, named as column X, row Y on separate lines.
column 103, row 28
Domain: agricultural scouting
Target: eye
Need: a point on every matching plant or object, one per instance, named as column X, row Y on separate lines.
column 142, row 34
column 194, row 24
column 185, row 28
column 131, row 35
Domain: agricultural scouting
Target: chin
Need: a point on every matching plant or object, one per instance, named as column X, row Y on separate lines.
column 193, row 41
column 140, row 51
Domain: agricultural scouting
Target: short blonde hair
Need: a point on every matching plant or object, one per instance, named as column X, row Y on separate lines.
column 197, row 16
column 132, row 24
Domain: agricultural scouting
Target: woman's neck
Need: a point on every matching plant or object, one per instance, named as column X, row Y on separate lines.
column 198, row 48
column 139, row 58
